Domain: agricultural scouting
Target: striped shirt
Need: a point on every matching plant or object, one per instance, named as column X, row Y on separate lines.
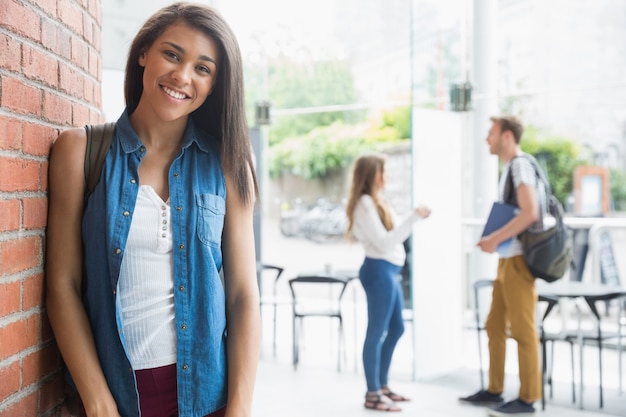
column 523, row 172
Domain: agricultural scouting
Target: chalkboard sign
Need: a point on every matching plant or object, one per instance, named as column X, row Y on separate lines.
column 608, row 268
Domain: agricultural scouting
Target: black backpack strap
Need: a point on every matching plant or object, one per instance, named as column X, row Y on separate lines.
column 509, row 189
column 509, row 195
column 99, row 138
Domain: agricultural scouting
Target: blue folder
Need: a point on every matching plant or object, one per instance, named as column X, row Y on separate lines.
column 500, row 215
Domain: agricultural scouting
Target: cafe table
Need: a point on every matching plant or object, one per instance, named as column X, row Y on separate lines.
column 585, row 291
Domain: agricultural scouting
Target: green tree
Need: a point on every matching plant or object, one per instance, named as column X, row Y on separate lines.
column 400, row 120
column 559, row 157
column 617, row 183
column 312, row 143
column 326, row 148
column 294, row 84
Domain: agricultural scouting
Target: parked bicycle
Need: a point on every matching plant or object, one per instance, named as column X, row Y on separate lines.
column 321, row 222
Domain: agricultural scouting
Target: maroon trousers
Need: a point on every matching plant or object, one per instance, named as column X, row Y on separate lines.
column 157, row 393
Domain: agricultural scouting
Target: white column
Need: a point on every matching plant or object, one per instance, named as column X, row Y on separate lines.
column 483, row 167
column 437, row 241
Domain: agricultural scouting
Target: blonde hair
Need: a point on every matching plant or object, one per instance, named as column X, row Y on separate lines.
column 364, row 173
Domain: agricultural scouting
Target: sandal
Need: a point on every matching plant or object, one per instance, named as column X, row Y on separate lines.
column 393, row 396
column 380, row 402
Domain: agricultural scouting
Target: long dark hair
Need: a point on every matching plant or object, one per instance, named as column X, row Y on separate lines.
column 223, row 112
column 364, row 173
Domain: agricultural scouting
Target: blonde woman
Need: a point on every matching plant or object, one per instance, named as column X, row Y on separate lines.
column 377, row 227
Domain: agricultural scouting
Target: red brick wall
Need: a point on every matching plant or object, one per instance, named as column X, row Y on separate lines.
column 50, row 73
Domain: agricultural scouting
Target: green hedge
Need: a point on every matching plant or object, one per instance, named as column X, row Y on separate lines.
column 559, row 157
column 327, row 148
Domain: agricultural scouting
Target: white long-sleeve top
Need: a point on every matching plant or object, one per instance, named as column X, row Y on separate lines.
column 377, row 241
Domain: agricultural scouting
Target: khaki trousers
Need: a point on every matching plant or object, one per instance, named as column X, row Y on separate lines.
column 512, row 312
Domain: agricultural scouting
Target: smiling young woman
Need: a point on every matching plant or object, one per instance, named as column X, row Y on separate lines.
column 180, row 70
column 133, row 270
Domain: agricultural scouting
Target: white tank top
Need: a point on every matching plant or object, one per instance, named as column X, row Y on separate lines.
column 146, row 284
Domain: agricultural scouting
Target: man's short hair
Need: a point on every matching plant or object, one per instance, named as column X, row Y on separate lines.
column 510, row 123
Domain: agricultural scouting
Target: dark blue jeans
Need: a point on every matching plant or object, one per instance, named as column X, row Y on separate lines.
column 382, row 287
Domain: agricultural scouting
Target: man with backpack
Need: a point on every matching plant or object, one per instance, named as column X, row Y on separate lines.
column 514, row 298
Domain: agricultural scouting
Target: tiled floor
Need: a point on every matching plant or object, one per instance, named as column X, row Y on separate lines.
column 316, row 388
column 315, row 391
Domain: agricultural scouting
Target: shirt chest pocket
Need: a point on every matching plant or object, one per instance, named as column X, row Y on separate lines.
column 211, row 210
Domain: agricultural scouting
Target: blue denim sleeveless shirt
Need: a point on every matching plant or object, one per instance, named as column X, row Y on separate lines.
column 198, row 202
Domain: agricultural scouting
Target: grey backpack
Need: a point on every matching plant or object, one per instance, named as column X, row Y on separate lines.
column 547, row 252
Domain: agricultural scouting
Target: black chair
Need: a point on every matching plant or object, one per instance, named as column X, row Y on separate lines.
column 317, row 296
column 621, row 340
column 598, row 336
column 273, row 273
column 479, row 320
column 480, row 288
column 545, row 338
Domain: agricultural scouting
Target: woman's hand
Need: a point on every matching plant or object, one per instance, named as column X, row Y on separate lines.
column 107, row 408
column 422, row 211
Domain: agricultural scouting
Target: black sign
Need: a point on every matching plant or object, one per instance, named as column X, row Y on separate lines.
column 608, row 267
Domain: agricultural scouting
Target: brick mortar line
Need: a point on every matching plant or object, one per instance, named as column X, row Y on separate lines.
column 37, row 84
column 4, row 195
column 19, row 154
column 42, row 13
column 19, row 316
column 60, row 58
column 19, row 277
column 20, row 234
column 25, row 391
column 36, row 120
